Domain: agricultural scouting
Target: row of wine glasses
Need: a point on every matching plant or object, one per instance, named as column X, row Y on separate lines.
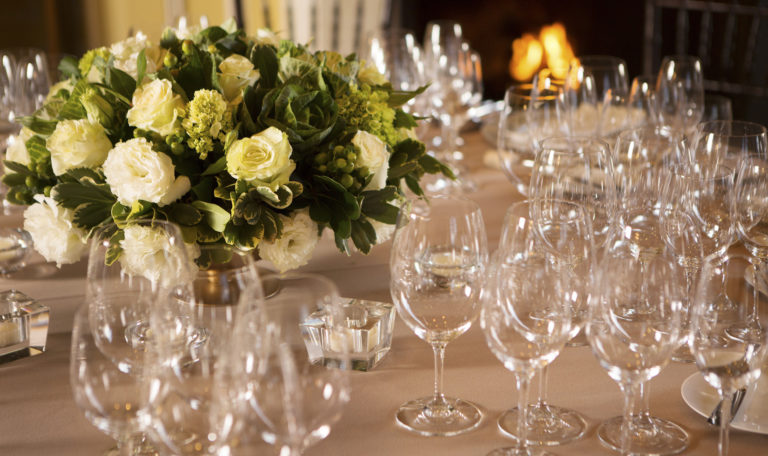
column 177, row 357
column 24, row 82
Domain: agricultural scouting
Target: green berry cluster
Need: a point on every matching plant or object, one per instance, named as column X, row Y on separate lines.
column 339, row 163
column 172, row 144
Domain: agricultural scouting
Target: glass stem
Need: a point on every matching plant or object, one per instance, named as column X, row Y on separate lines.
column 125, row 445
column 543, row 383
column 630, row 397
column 725, row 421
column 523, row 383
column 644, row 409
column 439, row 351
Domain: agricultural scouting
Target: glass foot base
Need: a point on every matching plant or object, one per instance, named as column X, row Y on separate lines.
column 547, row 425
column 683, row 355
column 423, row 417
column 512, row 451
column 653, row 436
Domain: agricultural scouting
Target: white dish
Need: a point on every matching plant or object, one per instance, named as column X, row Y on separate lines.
column 752, row 416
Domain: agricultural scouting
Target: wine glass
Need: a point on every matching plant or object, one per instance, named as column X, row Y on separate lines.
column 680, row 93
column 580, row 101
column 526, row 119
column 642, row 104
column 437, row 266
column 578, row 170
column 611, row 91
column 634, row 327
column 287, row 393
column 717, row 107
column 191, row 389
column 33, row 81
column 727, row 362
column 561, row 233
column 131, row 269
column 527, row 313
column 8, row 112
column 726, row 141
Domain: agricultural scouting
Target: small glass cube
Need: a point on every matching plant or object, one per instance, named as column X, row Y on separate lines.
column 367, row 331
column 23, row 326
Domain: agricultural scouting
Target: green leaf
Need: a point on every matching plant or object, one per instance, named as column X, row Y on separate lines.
column 205, row 233
column 342, row 226
column 213, row 33
column 86, row 174
column 376, row 206
column 432, row 165
column 114, row 250
column 404, row 120
column 320, row 212
column 40, row 126
column 360, row 235
column 203, row 190
column 267, row 194
column 184, row 214
column 36, row 147
column 265, row 60
column 121, row 82
column 347, row 201
column 17, row 167
column 139, row 209
column 215, row 216
column 216, row 167
column 68, row 67
column 141, row 66
column 342, row 245
column 399, row 98
column 73, row 109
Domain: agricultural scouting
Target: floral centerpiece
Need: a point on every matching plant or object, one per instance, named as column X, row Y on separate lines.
column 254, row 142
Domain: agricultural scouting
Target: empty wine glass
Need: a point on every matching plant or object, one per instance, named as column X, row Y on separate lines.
column 131, row 270
column 527, row 313
column 633, row 329
column 563, row 236
column 191, row 389
column 717, row 107
column 285, row 390
column 578, row 170
column 727, row 362
column 33, row 81
column 680, row 93
column 728, row 142
column 642, row 104
column 439, row 255
column 580, row 101
column 611, row 91
column 526, row 119
column 8, row 112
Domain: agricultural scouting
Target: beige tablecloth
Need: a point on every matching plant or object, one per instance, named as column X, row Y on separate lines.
column 38, row 416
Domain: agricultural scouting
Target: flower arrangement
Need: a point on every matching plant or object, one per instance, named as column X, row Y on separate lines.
column 254, row 142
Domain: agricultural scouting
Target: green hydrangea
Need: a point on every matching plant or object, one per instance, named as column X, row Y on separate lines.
column 84, row 65
column 207, row 120
column 366, row 108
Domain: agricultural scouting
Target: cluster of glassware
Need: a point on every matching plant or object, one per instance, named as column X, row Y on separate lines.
column 629, row 237
column 170, row 361
column 24, row 83
column 453, row 70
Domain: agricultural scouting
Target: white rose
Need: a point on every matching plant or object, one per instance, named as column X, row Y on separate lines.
column 263, row 159
column 77, row 144
column 148, row 252
column 295, row 246
column 374, row 156
column 134, row 171
column 17, row 147
column 156, row 107
column 237, row 72
column 266, row 36
column 369, row 74
column 53, row 232
column 383, row 230
column 126, row 54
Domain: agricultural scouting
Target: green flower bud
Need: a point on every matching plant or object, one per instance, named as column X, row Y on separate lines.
column 332, row 166
column 168, row 38
column 321, row 158
column 177, row 148
column 347, row 180
column 362, row 172
column 187, row 47
column 47, row 190
column 322, row 169
column 341, row 163
column 349, row 168
column 30, row 181
column 351, row 157
column 338, row 150
column 356, row 186
column 170, row 60
column 41, row 168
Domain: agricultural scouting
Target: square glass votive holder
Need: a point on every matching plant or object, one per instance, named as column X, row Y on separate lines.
column 367, row 331
column 23, row 326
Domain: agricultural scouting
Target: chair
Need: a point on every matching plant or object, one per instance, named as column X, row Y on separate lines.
column 730, row 37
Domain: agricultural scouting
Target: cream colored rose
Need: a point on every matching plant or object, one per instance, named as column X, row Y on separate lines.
column 150, row 253
column 266, row 36
column 135, row 171
column 156, row 107
column 369, row 74
column 263, row 159
column 77, row 144
column 53, row 232
column 295, row 246
column 126, row 54
column 374, row 156
column 17, row 147
column 237, row 73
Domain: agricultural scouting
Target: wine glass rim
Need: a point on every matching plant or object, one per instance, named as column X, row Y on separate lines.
column 681, row 58
column 601, row 61
column 744, row 129
column 561, row 143
column 525, row 90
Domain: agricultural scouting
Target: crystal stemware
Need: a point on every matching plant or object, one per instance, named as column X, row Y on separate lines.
column 437, row 266
column 282, row 388
column 680, row 93
column 634, row 327
column 642, row 104
column 728, row 362
column 527, row 314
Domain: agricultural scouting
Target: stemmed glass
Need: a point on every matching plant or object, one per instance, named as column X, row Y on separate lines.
column 634, row 327
column 717, row 107
column 130, row 271
column 642, row 104
column 191, row 389
column 527, row 313
column 526, row 119
column 439, row 254
column 283, row 389
column 578, row 170
column 728, row 141
column 33, row 81
column 610, row 92
column 562, row 234
column 727, row 362
column 580, row 103
column 680, row 93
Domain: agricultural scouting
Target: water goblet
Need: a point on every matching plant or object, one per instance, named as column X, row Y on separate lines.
column 723, row 141
column 642, row 104
column 527, row 314
column 680, row 93
column 634, row 327
column 726, row 361
column 437, row 266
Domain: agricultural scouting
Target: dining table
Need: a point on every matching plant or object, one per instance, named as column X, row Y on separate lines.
column 38, row 416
